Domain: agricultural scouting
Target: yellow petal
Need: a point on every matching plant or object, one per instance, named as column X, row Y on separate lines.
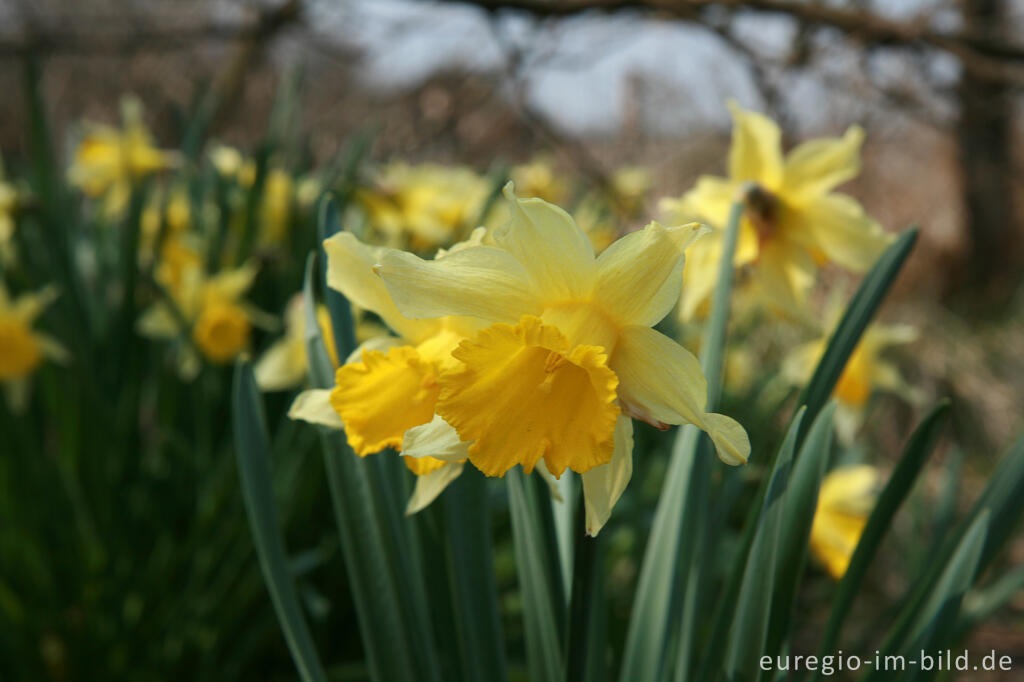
column 640, row 275
column 784, row 275
column 846, row 235
column 523, row 394
column 851, row 490
column 350, row 266
column 817, row 166
column 603, row 485
column 662, row 383
column 557, row 255
column 708, row 202
column 282, row 366
column 157, row 321
column 834, row 538
column 430, row 485
column 435, row 440
column 756, row 151
column 314, row 406
column 845, row 501
column 20, row 352
column 480, row 281
column 383, row 396
column 231, row 284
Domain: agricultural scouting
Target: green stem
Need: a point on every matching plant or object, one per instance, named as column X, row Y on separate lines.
column 582, row 616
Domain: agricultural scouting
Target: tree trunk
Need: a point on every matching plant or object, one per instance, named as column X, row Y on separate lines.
column 985, row 143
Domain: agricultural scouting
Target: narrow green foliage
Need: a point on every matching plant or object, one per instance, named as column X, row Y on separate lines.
column 540, row 623
column 749, row 631
column 253, row 451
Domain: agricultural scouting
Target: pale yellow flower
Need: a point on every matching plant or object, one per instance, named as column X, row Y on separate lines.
column 845, row 501
column 276, row 207
column 22, row 348
column 108, row 160
column 866, row 371
column 8, row 205
column 220, row 320
column 284, row 364
column 385, row 393
column 569, row 354
column 424, row 207
column 793, row 221
column 539, row 178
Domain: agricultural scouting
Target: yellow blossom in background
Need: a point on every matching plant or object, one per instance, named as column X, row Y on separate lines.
column 569, row 355
column 276, row 208
column 425, row 206
column 845, row 501
column 228, row 161
column 220, row 321
column 389, row 386
column 285, row 364
column 8, row 204
column 866, row 371
column 793, row 221
column 22, row 348
column 108, row 160
column 630, row 186
column 539, row 178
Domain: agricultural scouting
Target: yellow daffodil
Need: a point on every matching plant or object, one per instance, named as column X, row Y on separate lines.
column 108, row 160
column 228, row 161
column 220, row 321
column 389, row 386
column 866, row 371
column 845, row 501
column 793, row 222
column 423, row 207
column 569, row 355
column 539, row 178
column 8, row 204
column 276, row 208
column 285, row 365
column 22, row 348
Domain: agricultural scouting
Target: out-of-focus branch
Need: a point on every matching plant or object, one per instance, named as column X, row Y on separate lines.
column 987, row 57
column 42, row 41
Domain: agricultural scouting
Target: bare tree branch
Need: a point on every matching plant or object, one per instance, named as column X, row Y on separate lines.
column 986, row 57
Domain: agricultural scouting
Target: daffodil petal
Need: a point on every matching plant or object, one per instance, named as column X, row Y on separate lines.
column 603, row 485
column 231, row 284
column 756, row 151
column 479, row 281
column 662, row 383
column 314, row 406
column 436, row 439
column 640, row 275
column 556, row 254
column 282, row 366
column 841, row 229
column 350, row 265
column 817, row 166
column 784, row 276
column 429, row 486
column 709, row 202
